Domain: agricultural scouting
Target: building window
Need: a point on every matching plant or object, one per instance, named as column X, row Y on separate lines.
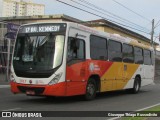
column 98, row 48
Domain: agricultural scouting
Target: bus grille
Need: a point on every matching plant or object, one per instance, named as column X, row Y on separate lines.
column 37, row 90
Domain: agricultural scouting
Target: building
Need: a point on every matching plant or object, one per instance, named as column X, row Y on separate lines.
column 101, row 24
column 107, row 26
column 3, row 31
column 19, row 20
column 10, row 8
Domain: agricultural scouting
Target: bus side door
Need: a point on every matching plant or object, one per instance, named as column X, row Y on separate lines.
column 76, row 62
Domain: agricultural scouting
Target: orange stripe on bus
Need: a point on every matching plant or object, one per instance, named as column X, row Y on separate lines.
column 116, row 77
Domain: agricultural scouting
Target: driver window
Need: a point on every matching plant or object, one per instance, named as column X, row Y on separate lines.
column 75, row 49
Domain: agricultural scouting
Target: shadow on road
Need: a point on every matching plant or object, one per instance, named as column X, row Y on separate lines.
column 75, row 99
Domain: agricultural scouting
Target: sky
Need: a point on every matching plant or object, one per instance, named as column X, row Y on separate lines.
column 149, row 9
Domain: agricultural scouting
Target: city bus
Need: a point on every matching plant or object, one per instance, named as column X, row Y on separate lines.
column 68, row 59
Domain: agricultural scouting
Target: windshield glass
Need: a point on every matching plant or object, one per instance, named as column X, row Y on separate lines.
column 38, row 52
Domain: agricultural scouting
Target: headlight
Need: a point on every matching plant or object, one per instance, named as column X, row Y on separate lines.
column 12, row 78
column 55, row 79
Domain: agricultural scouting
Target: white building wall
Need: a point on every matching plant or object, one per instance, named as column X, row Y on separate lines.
column 1, row 6
column 20, row 8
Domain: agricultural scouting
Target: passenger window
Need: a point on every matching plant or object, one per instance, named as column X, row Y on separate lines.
column 98, row 48
column 115, row 51
column 138, row 55
column 147, row 57
column 128, row 54
column 76, row 49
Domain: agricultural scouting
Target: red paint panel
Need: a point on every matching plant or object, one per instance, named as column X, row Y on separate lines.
column 76, row 88
column 58, row 89
column 14, row 88
column 77, row 75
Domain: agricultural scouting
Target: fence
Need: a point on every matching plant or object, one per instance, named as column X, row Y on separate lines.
column 5, row 59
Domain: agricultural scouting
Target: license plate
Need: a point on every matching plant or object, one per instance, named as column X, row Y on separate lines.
column 30, row 92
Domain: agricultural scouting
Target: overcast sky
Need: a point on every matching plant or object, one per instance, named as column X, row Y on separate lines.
column 150, row 9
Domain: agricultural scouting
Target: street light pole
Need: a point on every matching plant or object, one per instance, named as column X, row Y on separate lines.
column 152, row 33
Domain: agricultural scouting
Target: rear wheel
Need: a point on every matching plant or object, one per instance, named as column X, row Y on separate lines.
column 137, row 85
column 90, row 89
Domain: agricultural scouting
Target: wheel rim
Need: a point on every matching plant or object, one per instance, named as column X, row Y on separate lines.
column 137, row 86
column 90, row 89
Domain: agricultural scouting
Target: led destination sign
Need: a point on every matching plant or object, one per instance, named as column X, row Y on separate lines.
column 43, row 28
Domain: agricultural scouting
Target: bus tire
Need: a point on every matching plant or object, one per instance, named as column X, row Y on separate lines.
column 90, row 89
column 136, row 86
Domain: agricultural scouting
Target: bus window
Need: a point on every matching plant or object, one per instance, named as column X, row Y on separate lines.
column 98, row 48
column 147, row 57
column 76, row 49
column 115, row 51
column 138, row 55
column 128, row 55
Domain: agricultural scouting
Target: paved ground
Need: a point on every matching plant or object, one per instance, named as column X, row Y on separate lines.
column 110, row 101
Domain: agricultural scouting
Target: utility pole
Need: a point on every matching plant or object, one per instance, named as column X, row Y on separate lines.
column 152, row 33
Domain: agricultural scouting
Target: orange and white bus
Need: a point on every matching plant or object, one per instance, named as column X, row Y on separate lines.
column 67, row 59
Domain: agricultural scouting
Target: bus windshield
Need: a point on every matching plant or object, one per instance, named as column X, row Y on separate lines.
column 38, row 52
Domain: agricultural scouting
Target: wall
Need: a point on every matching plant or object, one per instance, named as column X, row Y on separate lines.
column 1, row 4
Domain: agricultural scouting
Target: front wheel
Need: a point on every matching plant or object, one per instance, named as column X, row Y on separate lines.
column 90, row 90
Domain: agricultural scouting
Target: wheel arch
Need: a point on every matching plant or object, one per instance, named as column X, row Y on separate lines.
column 139, row 76
column 96, row 77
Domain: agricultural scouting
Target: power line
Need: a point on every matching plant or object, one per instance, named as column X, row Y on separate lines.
column 100, row 16
column 157, row 24
column 96, row 10
column 131, row 10
column 117, row 18
column 90, row 4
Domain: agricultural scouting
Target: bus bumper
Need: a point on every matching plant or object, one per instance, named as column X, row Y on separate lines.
column 44, row 90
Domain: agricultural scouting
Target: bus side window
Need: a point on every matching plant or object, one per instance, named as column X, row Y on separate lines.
column 98, row 48
column 138, row 55
column 147, row 57
column 128, row 53
column 76, row 48
column 115, row 51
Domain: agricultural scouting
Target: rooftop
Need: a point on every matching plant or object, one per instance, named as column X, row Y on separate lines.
column 102, row 22
column 42, row 17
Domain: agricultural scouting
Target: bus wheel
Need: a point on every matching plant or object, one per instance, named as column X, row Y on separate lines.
column 137, row 85
column 90, row 89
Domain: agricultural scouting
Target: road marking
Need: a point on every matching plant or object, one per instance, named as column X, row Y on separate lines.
column 115, row 118
column 4, row 86
column 12, row 109
column 148, row 107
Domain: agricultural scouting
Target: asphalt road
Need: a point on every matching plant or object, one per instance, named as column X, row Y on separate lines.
column 110, row 101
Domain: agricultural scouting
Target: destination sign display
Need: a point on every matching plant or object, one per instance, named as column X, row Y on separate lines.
column 40, row 28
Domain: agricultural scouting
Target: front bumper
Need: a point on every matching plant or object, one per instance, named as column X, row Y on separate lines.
column 58, row 89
